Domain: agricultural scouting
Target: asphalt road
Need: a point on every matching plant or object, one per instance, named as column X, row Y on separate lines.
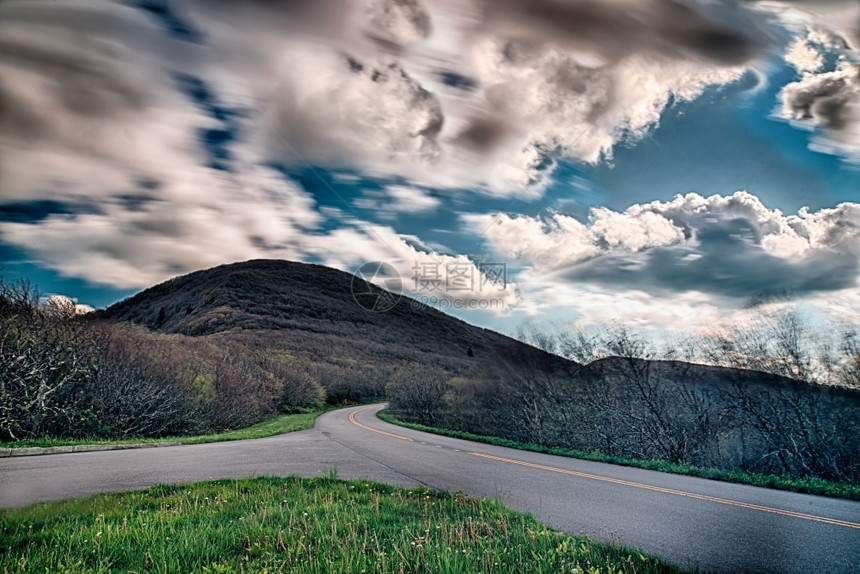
column 695, row 523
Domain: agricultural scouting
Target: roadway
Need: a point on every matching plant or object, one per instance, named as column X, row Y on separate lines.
column 695, row 523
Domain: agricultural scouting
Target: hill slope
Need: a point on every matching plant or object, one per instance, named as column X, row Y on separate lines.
column 301, row 323
column 309, row 312
column 263, row 295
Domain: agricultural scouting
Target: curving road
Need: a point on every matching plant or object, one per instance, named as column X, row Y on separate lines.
column 695, row 523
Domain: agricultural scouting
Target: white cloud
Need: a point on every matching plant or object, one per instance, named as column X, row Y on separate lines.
column 433, row 277
column 566, row 106
column 804, row 57
column 547, row 295
column 691, row 311
column 787, row 237
column 826, row 99
column 843, row 305
column 203, row 222
column 371, row 114
column 312, row 86
column 559, row 240
column 62, row 302
column 829, row 101
column 402, row 21
column 680, row 263
column 436, row 279
column 394, row 200
column 410, row 199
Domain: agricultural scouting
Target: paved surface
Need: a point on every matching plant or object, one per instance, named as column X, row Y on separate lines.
column 695, row 523
column 41, row 451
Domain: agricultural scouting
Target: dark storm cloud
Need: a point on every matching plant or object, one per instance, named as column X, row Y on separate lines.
column 727, row 260
column 824, row 98
column 322, row 17
column 68, row 54
column 82, row 85
column 17, row 119
column 676, row 28
column 483, row 134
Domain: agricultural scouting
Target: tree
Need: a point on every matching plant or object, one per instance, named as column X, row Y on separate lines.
column 418, row 392
column 47, row 364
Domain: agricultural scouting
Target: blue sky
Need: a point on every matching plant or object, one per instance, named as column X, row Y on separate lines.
column 664, row 163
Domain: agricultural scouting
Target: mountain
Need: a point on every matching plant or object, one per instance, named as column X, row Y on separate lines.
column 282, row 295
column 299, row 334
column 310, row 312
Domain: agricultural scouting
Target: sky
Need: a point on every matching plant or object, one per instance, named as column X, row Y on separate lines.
column 663, row 164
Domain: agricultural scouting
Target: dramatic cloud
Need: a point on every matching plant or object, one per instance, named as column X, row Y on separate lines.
column 343, row 111
column 400, row 21
column 674, row 28
column 451, row 93
column 135, row 241
column 726, row 246
column 831, row 101
column 568, row 106
column 387, row 204
column 586, row 305
column 576, row 78
column 410, row 200
column 804, row 57
column 842, row 17
column 139, row 140
column 827, row 96
column 561, row 240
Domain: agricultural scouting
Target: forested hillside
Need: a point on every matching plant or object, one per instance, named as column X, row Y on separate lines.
column 216, row 349
column 679, row 412
column 233, row 345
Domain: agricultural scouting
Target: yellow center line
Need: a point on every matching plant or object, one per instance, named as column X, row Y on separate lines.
column 750, row 506
column 672, row 491
column 365, row 427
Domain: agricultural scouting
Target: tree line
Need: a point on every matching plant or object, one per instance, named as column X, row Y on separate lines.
column 67, row 375
column 751, row 398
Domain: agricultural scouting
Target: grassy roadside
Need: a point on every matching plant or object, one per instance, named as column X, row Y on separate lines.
column 816, row 486
column 268, row 525
column 277, row 425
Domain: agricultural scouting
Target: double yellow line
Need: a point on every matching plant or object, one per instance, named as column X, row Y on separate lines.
column 640, row 485
column 365, row 427
column 705, row 497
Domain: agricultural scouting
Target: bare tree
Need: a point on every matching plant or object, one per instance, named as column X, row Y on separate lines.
column 46, row 367
column 418, row 392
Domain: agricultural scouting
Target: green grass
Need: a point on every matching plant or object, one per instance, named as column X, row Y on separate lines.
column 818, row 486
column 322, row 525
column 277, row 425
